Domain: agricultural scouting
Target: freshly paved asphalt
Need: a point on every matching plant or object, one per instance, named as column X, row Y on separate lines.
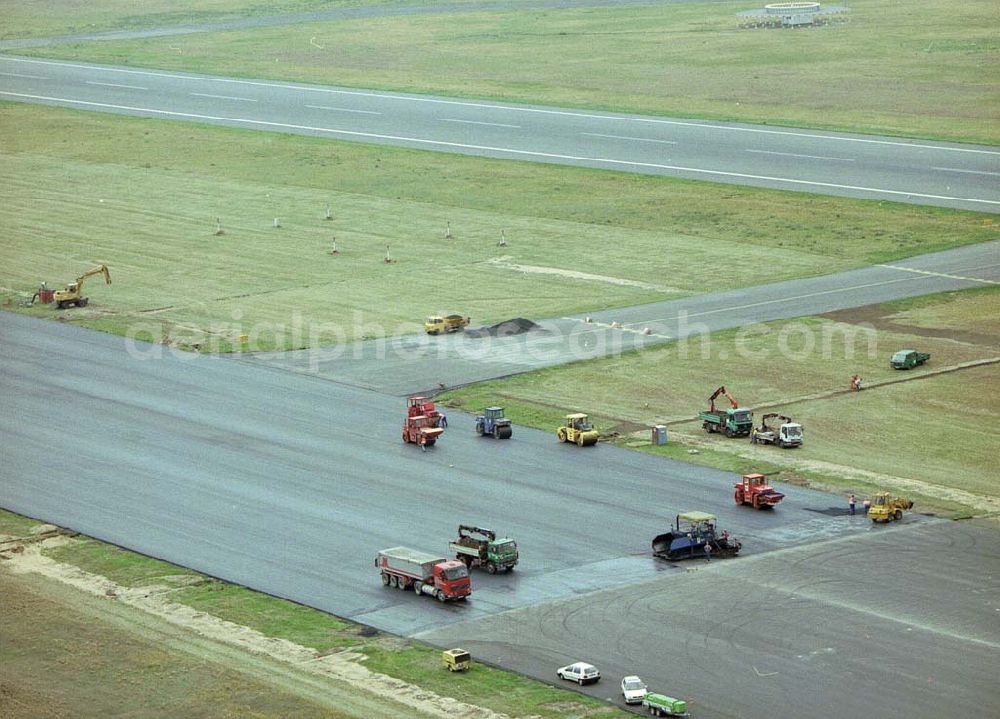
column 289, row 484
column 421, row 363
column 862, row 166
column 885, row 623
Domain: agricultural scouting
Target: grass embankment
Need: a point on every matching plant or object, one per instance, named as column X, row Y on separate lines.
column 143, row 196
column 937, row 429
column 927, row 70
column 64, row 656
column 402, row 659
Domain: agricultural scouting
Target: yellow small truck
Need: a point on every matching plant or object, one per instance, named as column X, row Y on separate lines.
column 436, row 324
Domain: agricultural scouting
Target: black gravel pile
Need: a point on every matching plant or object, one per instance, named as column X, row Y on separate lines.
column 507, row 328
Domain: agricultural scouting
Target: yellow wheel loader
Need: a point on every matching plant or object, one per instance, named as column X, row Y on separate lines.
column 886, row 508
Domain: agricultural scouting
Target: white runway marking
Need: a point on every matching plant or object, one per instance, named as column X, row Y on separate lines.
column 968, row 172
column 21, row 74
column 114, row 84
column 807, row 157
column 624, row 137
column 343, row 109
column 223, row 97
column 940, row 274
column 476, row 122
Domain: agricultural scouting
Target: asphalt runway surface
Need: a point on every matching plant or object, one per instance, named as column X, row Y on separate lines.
column 860, row 166
column 289, row 484
column 422, row 363
column 890, row 622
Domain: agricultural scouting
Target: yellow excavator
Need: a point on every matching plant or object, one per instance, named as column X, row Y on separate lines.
column 73, row 294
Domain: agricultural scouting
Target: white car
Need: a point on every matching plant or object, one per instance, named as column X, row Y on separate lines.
column 580, row 672
column 633, row 689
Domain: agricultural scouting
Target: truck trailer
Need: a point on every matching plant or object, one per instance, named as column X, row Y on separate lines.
column 405, row 568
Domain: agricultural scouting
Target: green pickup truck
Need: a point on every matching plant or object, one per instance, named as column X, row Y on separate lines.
column 661, row 705
column 908, row 359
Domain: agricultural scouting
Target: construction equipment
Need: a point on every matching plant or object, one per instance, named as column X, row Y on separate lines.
column 577, row 429
column 661, row 705
column 690, row 541
column 422, row 426
column 405, row 568
column 492, row 421
column 73, row 294
column 437, row 324
column 785, row 434
column 886, row 508
column 421, row 431
column 754, row 490
column 908, row 359
column 456, row 660
column 733, row 422
column 480, row 547
column 419, row 406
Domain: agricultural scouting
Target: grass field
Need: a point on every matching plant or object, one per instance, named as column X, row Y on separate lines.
column 936, row 429
column 65, row 17
column 63, row 656
column 928, row 70
column 143, row 196
column 402, row 659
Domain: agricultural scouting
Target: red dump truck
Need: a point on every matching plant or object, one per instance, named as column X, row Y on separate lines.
column 405, row 568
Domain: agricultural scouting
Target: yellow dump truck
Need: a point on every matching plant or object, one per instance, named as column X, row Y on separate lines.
column 437, row 324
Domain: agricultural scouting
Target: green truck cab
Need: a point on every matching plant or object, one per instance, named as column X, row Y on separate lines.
column 479, row 547
column 730, row 422
column 908, row 359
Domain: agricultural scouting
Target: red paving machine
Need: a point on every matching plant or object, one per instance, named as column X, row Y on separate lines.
column 754, row 490
column 422, row 426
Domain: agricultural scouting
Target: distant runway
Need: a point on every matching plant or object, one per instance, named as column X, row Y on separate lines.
column 809, row 161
